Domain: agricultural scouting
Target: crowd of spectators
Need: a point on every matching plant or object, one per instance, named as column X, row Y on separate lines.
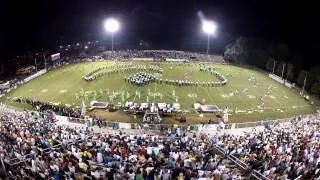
column 163, row 55
column 283, row 151
column 47, row 106
column 34, row 148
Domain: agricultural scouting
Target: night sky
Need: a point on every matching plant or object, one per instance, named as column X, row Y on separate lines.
column 35, row 24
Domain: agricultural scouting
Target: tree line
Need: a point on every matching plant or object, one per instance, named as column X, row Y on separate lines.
column 274, row 58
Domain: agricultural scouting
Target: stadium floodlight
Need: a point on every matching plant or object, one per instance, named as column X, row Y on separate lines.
column 209, row 27
column 111, row 25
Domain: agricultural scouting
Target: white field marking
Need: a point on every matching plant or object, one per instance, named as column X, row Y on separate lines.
column 272, row 97
column 225, row 96
column 44, row 90
column 251, row 96
column 280, row 110
column 286, row 97
column 63, row 91
column 30, row 90
column 134, row 98
column 260, row 110
column 155, row 91
column 277, row 107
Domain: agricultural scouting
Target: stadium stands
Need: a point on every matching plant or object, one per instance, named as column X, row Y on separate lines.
column 162, row 55
column 34, row 146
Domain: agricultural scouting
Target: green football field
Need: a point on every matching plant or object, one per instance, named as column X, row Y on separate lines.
column 66, row 86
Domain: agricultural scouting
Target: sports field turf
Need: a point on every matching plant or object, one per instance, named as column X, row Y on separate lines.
column 66, row 86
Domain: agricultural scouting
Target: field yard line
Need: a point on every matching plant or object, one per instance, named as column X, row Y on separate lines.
column 124, row 85
column 276, row 99
column 275, row 107
column 155, row 90
column 207, row 92
column 171, row 85
column 243, row 101
column 194, row 99
column 135, row 95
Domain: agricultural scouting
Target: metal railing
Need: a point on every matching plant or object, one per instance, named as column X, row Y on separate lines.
column 243, row 166
column 15, row 161
column 186, row 127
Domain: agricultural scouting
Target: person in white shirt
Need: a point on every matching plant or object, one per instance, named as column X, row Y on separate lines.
column 99, row 157
column 149, row 150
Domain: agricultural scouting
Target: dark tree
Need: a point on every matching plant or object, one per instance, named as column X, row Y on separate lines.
column 237, row 52
column 289, row 72
column 315, row 74
column 270, row 64
column 279, row 68
column 302, row 75
column 315, row 88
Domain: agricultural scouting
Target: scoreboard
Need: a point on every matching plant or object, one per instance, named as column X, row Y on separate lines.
column 55, row 56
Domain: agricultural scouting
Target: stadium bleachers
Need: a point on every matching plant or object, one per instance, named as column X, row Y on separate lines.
column 34, row 146
column 163, row 55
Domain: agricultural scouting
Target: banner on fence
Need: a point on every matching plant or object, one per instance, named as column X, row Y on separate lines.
column 124, row 125
column 175, row 60
column 280, row 80
column 39, row 73
column 208, row 127
column 61, row 118
column 143, row 59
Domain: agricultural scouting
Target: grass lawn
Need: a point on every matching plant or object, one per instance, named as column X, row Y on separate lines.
column 65, row 85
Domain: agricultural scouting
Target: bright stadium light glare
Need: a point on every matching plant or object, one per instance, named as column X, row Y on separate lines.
column 86, row 47
column 209, row 27
column 111, row 25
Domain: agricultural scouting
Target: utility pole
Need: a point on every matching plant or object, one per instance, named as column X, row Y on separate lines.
column 208, row 44
column 45, row 60
column 35, row 63
column 283, row 70
column 112, row 53
column 304, row 84
column 274, row 66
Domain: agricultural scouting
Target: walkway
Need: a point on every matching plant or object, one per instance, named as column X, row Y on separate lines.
column 96, row 129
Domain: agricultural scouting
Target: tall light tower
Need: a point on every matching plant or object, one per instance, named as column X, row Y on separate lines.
column 210, row 28
column 111, row 25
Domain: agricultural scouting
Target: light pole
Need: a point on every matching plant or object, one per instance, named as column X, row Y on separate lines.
column 209, row 27
column 86, row 47
column 111, row 25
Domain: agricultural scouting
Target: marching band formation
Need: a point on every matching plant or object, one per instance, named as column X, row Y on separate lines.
column 141, row 79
